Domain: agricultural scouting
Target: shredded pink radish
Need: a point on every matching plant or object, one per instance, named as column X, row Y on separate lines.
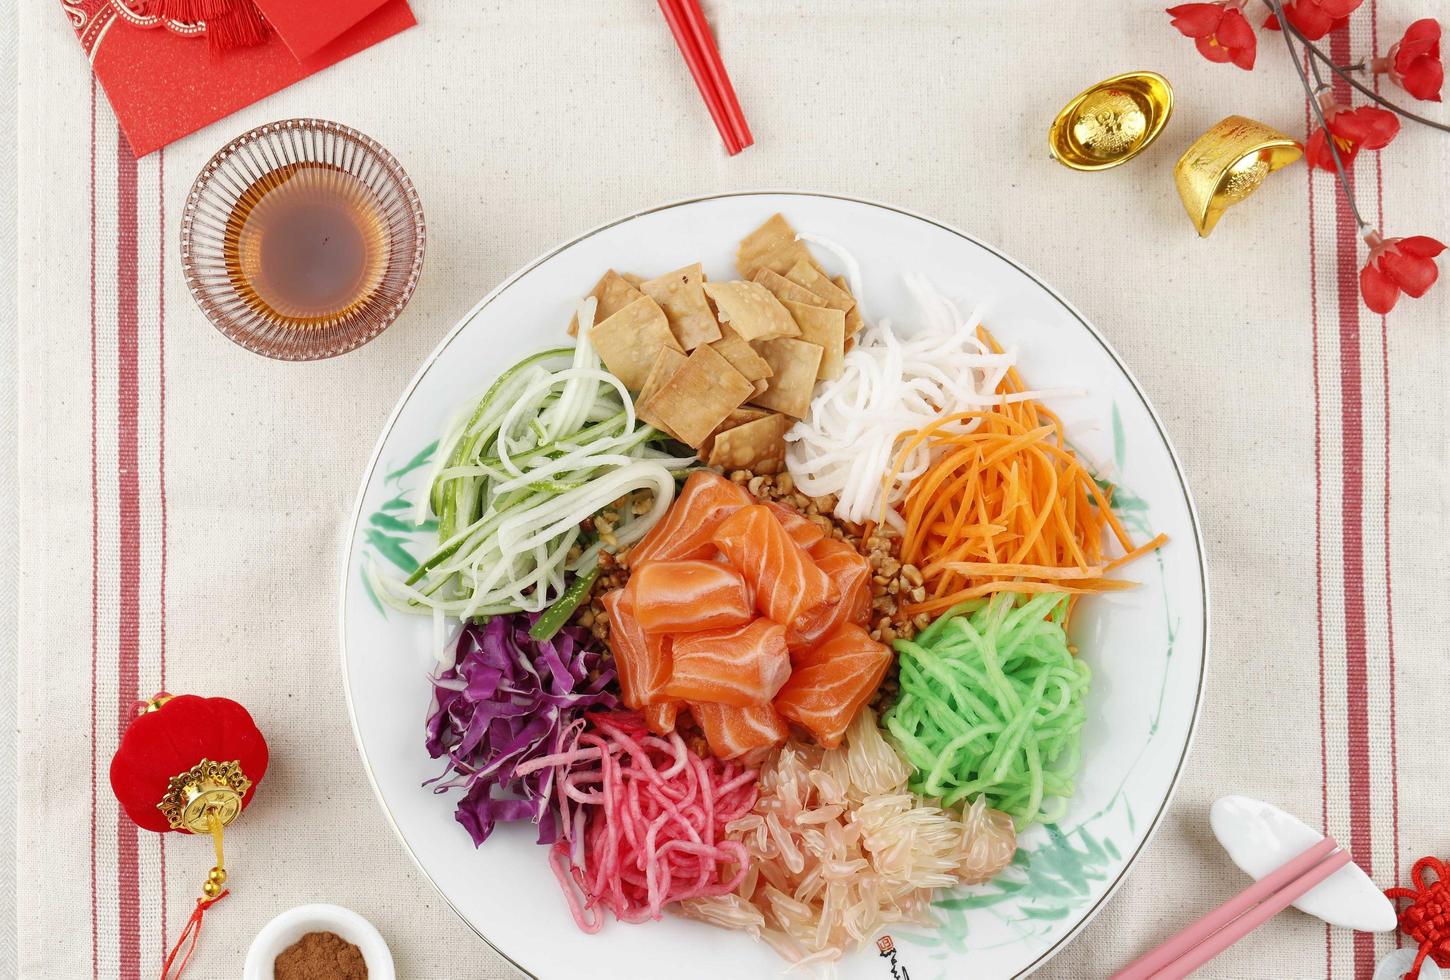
column 644, row 821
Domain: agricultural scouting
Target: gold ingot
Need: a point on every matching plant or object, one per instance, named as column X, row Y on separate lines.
column 1227, row 164
column 1111, row 122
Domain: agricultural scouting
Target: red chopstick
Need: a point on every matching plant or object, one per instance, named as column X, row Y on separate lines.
column 697, row 45
column 695, row 17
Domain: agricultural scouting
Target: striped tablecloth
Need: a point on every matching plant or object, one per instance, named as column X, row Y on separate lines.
column 182, row 500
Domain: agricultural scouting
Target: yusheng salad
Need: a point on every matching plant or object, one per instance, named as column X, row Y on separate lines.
column 764, row 608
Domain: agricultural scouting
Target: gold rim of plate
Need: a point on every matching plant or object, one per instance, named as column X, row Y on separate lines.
column 1108, row 124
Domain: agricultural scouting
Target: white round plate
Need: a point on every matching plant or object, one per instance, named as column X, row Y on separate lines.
column 1147, row 647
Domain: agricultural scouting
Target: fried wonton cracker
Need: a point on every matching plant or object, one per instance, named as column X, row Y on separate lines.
column 740, row 354
column 784, row 289
column 853, row 315
column 629, row 340
column 808, row 275
column 772, row 246
column 613, row 293
column 666, row 363
column 758, row 446
column 680, row 296
column 697, row 397
column 794, row 364
column 751, row 310
column 825, row 328
column 743, row 414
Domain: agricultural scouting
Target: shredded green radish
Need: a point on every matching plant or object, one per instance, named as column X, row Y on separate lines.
column 991, row 703
column 552, row 443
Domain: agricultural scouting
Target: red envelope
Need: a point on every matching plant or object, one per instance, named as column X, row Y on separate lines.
column 163, row 84
column 309, row 26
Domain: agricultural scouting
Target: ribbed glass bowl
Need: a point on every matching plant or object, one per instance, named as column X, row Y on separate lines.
column 212, row 256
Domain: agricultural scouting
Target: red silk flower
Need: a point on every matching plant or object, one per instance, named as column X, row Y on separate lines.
column 1219, row 30
column 1315, row 18
column 1365, row 128
column 1398, row 265
column 1414, row 62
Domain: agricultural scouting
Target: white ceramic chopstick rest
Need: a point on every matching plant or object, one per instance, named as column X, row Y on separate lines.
column 1260, row 837
column 1398, row 963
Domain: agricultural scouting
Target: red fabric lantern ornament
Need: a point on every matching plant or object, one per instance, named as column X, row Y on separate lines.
column 192, row 765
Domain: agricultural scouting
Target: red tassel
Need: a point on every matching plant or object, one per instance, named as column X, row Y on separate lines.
column 192, row 932
column 241, row 27
column 229, row 23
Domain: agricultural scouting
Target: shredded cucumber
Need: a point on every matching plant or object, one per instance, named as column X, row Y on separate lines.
column 553, row 442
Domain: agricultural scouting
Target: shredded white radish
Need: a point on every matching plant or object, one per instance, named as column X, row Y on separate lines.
column 891, row 384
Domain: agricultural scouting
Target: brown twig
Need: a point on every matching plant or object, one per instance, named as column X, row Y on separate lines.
column 1313, row 94
column 1316, row 53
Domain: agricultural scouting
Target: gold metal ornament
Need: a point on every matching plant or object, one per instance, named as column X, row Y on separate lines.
column 206, row 790
column 1227, row 164
column 157, row 703
column 1111, row 122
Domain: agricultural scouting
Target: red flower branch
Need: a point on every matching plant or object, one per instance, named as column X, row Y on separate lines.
column 1352, row 130
column 1219, row 31
column 1223, row 34
column 1398, row 265
column 1414, row 61
column 1315, row 18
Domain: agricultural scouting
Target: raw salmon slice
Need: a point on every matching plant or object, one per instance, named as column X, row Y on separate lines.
column 660, row 717
column 785, row 580
column 742, row 666
column 832, row 681
column 733, row 732
column 688, row 596
column 703, row 502
column 800, row 529
column 851, row 572
column 642, row 661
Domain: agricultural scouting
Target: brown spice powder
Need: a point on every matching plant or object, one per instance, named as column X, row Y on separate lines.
column 320, row 956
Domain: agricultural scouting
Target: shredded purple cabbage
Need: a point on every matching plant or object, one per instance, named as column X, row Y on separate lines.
column 507, row 699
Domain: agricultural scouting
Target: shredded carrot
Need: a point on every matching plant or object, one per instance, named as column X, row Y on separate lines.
column 1008, row 507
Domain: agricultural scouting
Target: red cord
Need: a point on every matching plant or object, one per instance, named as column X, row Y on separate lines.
column 192, row 931
column 1426, row 919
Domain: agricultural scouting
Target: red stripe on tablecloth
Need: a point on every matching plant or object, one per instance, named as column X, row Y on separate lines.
column 95, row 556
column 128, row 620
column 161, row 451
column 1318, row 518
column 1351, row 416
column 1379, row 181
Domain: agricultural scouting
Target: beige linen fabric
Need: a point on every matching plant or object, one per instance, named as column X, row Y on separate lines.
column 183, row 500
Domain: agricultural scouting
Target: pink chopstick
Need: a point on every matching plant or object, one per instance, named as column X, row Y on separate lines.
column 697, row 45
column 1201, row 941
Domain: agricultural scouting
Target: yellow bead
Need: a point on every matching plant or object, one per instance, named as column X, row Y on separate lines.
column 211, row 889
column 218, row 875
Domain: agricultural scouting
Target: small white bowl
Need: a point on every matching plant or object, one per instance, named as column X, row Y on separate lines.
column 293, row 924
